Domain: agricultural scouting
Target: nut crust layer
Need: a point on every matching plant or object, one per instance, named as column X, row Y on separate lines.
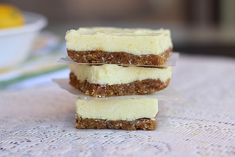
column 102, row 57
column 138, row 124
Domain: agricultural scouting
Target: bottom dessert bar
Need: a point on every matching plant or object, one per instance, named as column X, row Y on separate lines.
column 138, row 124
column 127, row 114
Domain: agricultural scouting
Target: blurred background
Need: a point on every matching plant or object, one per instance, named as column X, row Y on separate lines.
column 199, row 27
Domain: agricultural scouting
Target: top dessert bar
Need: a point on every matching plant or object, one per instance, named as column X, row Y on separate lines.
column 119, row 46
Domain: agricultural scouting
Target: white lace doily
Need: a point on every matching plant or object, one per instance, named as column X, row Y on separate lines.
column 201, row 122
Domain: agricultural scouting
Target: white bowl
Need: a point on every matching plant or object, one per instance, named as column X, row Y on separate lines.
column 15, row 43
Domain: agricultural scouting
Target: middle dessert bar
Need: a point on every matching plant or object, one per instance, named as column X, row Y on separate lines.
column 113, row 80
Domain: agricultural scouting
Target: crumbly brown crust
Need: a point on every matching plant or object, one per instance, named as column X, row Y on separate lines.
column 138, row 124
column 118, row 57
column 143, row 87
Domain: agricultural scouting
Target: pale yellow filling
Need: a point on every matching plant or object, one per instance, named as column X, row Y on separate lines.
column 113, row 74
column 117, row 109
column 134, row 41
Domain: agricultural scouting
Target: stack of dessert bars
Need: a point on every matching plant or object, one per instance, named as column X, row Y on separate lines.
column 121, row 68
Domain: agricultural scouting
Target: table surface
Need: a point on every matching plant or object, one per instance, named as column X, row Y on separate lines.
column 197, row 120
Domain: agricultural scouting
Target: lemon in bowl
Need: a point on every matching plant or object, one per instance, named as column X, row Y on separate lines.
column 17, row 33
column 10, row 16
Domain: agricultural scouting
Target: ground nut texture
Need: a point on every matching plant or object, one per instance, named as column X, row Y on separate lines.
column 118, row 57
column 138, row 124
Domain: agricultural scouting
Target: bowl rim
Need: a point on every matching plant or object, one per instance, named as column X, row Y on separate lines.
column 34, row 22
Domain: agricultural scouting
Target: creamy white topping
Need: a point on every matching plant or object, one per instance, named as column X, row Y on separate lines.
column 134, row 41
column 113, row 74
column 121, row 109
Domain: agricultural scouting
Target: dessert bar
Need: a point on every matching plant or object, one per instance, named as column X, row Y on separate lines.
column 127, row 114
column 114, row 80
column 119, row 46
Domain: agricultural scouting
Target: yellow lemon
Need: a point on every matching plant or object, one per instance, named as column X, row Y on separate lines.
column 10, row 16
